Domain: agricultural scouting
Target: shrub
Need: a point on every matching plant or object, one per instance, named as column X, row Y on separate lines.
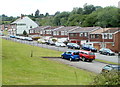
column 110, row 78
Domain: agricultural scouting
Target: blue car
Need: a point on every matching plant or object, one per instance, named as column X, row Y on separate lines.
column 71, row 55
column 12, row 36
column 89, row 48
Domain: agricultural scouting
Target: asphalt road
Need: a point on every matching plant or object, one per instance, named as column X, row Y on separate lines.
column 94, row 66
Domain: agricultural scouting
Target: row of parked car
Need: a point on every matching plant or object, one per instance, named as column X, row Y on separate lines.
column 78, row 55
column 104, row 51
column 21, row 38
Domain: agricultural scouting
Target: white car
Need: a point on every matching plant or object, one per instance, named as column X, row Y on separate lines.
column 28, row 38
column 42, row 41
column 22, row 38
column 60, row 44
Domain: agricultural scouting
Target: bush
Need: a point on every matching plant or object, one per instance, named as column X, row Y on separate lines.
column 54, row 40
column 110, row 78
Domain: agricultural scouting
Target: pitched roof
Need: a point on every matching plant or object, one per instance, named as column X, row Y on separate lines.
column 85, row 29
column 66, row 28
column 99, row 30
column 40, row 28
column 112, row 30
column 51, row 28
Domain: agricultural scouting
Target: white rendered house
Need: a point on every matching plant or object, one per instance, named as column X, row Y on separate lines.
column 24, row 23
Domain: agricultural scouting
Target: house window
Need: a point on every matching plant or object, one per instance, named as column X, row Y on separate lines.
column 50, row 32
column 105, row 36
column 57, row 32
column 62, row 32
column 71, row 35
column 81, row 34
column 96, row 36
column 85, row 34
column 66, row 33
column 31, row 31
column 40, row 32
column 54, row 33
column 110, row 36
column 75, row 35
column 113, row 44
column 47, row 32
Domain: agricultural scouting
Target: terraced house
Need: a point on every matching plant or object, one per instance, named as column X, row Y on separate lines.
column 80, row 35
column 62, row 32
column 106, row 37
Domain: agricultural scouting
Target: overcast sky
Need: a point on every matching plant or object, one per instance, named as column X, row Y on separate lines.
column 18, row 7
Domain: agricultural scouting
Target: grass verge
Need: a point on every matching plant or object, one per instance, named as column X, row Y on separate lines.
column 21, row 69
column 103, row 61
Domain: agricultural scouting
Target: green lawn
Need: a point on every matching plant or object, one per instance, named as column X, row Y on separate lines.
column 21, row 69
column 0, row 62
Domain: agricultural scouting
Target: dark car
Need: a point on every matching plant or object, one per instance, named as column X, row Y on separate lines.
column 111, row 67
column 50, row 42
column 118, row 53
column 73, row 46
column 106, row 51
column 71, row 55
column 89, row 48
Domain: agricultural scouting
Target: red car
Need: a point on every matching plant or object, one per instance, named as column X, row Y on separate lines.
column 86, row 55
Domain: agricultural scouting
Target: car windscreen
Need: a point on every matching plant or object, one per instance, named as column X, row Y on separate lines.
column 91, row 53
column 76, row 53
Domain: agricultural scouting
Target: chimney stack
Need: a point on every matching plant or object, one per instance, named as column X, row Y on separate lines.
column 22, row 16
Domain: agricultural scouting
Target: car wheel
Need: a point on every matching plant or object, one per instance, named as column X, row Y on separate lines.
column 62, row 57
column 83, row 59
column 90, row 60
column 70, row 59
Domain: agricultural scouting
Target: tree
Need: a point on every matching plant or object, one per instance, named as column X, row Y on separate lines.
column 47, row 14
column 41, row 15
column 60, row 18
column 77, row 10
column 108, row 17
column 57, row 13
column 37, row 13
column 88, row 9
column 75, row 20
column 24, row 33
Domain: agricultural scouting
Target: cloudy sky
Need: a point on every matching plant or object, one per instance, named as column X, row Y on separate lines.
column 18, row 7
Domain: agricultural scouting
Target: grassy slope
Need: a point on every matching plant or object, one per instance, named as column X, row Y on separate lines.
column 21, row 69
column 0, row 62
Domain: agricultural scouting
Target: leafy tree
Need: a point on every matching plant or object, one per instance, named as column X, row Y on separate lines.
column 58, row 19
column 41, row 15
column 104, row 17
column 75, row 20
column 88, row 9
column 47, row 14
column 77, row 10
column 24, row 33
column 37, row 13
column 108, row 17
column 57, row 13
